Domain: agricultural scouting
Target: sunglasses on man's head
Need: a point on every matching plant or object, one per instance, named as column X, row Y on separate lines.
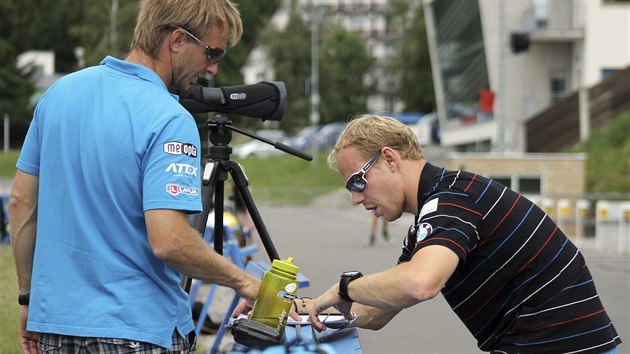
column 357, row 182
column 215, row 54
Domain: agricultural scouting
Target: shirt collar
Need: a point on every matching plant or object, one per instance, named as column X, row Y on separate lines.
column 134, row 69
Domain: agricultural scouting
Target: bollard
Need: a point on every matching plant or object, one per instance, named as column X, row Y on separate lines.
column 582, row 207
column 624, row 228
column 601, row 216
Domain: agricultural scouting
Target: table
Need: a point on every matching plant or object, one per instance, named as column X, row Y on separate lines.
column 342, row 341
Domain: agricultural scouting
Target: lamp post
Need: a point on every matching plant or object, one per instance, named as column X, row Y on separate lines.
column 317, row 14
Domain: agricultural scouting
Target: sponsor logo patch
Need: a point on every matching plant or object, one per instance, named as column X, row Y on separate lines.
column 429, row 207
column 177, row 148
column 176, row 189
column 182, row 169
column 424, row 230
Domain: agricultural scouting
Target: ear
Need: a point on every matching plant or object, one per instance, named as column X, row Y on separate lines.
column 176, row 40
column 390, row 156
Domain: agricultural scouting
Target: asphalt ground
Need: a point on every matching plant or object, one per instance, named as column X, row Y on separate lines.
column 325, row 241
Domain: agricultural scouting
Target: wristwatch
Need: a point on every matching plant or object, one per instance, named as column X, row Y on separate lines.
column 346, row 278
column 24, row 299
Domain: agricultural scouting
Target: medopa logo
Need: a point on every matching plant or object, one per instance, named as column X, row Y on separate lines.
column 177, row 148
column 176, row 189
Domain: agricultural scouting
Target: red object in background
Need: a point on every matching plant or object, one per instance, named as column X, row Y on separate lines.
column 486, row 101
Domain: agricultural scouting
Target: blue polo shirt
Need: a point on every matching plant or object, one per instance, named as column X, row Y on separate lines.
column 108, row 143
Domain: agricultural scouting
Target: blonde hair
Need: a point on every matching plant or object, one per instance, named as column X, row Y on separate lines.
column 158, row 18
column 368, row 133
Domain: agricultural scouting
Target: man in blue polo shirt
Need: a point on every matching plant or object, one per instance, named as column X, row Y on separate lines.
column 108, row 172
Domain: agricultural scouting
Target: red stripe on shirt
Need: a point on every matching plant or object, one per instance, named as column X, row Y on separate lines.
column 540, row 250
column 502, row 220
column 485, row 303
column 563, row 322
column 461, row 207
column 470, row 184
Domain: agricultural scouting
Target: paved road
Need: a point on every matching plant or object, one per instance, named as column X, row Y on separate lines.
column 327, row 241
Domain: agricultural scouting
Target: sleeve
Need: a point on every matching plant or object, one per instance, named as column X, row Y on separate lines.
column 171, row 167
column 29, row 160
column 448, row 219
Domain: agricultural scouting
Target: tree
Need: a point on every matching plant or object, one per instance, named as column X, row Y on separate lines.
column 413, row 65
column 15, row 91
column 291, row 57
column 344, row 64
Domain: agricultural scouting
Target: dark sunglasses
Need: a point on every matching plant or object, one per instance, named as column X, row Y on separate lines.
column 357, row 182
column 215, row 54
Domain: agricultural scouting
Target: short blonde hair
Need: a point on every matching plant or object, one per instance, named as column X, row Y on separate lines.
column 158, row 18
column 368, row 133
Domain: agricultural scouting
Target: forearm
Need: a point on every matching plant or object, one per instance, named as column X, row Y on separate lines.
column 23, row 221
column 179, row 245
column 371, row 317
column 391, row 290
column 409, row 283
column 198, row 260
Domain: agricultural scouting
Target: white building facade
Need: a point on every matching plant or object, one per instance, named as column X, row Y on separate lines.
column 527, row 53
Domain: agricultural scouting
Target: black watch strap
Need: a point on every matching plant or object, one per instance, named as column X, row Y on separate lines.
column 345, row 279
column 24, row 299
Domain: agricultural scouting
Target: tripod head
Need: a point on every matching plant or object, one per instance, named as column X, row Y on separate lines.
column 220, row 134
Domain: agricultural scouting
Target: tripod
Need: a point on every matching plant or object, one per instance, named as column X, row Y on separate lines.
column 217, row 167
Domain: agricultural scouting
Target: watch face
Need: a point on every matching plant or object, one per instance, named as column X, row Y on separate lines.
column 351, row 274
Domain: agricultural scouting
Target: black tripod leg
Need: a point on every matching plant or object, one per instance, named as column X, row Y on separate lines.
column 241, row 185
column 212, row 185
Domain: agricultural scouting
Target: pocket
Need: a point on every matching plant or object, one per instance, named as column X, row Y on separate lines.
column 50, row 348
column 50, row 343
column 122, row 346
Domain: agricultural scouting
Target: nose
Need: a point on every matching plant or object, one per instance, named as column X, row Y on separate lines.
column 357, row 198
column 212, row 69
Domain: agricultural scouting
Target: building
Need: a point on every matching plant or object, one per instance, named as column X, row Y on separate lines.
column 497, row 64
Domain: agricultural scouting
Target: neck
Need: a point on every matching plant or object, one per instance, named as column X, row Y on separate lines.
column 412, row 185
column 138, row 56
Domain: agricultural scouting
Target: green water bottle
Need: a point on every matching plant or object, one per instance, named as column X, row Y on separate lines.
column 276, row 294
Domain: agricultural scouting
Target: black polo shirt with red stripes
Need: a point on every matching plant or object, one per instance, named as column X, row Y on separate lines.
column 521, row 285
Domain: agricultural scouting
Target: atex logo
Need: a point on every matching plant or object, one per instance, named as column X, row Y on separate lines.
column 182, row 169
column 176, row 189
column 239, row 96
column 177, row 148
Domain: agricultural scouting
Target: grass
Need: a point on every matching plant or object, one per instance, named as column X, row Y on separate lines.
column 9, row 309
column 7, row 163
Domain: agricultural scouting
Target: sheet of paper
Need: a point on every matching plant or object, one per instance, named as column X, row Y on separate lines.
column 332, row 321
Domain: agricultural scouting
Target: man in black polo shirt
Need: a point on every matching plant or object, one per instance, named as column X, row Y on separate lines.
column 505, row 268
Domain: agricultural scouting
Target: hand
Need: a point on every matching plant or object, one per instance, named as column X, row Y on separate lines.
column 242, row 308
column 28, row 340
column 324, row 301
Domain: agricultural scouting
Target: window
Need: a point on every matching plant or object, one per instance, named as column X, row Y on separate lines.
column 530, row 185
column 506, row 181
column 558, row 87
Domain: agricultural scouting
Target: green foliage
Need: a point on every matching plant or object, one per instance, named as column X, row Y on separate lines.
column 608, row 165
column 15, row 91
column 344, row 63
column 413, row 65
column 290, row 52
